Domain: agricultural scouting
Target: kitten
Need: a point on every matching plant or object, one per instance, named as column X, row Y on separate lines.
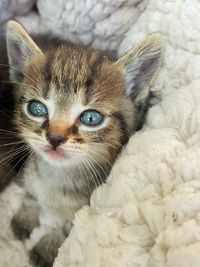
column 7, row 173
column 9, row 143
column 75, row 109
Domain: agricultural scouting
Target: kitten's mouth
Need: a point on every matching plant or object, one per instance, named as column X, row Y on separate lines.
column 56, row 154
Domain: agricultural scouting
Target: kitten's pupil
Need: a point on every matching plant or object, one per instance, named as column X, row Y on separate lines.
column 91, row 117
column 37, row 108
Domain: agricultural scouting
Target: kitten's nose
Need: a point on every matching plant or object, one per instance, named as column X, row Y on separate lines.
column 54, row 139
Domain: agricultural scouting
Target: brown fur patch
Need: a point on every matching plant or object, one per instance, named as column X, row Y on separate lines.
column 59, row 128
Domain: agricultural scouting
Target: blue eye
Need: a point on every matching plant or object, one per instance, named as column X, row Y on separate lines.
column 36, row 108
column 91, row 117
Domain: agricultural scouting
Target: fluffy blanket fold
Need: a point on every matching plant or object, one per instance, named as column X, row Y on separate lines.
column 148, row 212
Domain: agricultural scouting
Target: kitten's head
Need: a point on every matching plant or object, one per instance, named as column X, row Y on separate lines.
column 74, row 105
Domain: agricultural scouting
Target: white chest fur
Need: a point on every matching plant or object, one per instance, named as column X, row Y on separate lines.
column 58, row 191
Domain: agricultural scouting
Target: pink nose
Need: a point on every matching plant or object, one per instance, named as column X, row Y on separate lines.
column 54, row 139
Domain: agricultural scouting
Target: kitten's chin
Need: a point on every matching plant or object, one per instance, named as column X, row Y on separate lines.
column 56, row 155
column 57, row 158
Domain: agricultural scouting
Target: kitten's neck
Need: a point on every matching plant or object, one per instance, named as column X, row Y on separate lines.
column 79, row 178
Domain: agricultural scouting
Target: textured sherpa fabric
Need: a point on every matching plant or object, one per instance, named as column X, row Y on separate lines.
column 148, row 212
column 101, row 24
column 12, row 8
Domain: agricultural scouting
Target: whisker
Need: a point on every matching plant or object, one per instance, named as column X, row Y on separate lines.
column 93, row 170
column 86, row 163
column 107, row 145
column 12, row 143
column 3, row 111
column 7, row 132
column 100, row 155
column 19, row 83
column 16, row 152
column 15, row 167
column 95, row 161
column 30, row 152
column 81, row 166
column 6, row 137
column 25, row 74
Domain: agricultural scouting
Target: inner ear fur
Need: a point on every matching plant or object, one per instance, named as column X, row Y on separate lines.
column 140, row 64
column 20, row 48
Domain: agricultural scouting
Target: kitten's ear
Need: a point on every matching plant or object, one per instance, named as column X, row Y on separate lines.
column 20, row 48
column 141, row 63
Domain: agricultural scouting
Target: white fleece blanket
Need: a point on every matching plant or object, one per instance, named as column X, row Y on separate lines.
column 101, row 24
column 148, row 212
column 13, row 8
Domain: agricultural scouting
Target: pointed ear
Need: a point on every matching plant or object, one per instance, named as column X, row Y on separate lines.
column 141, row 63
column 20, row 47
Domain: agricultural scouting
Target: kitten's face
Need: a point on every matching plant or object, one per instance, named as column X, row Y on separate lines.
column 76, row 106
column 72, row 107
